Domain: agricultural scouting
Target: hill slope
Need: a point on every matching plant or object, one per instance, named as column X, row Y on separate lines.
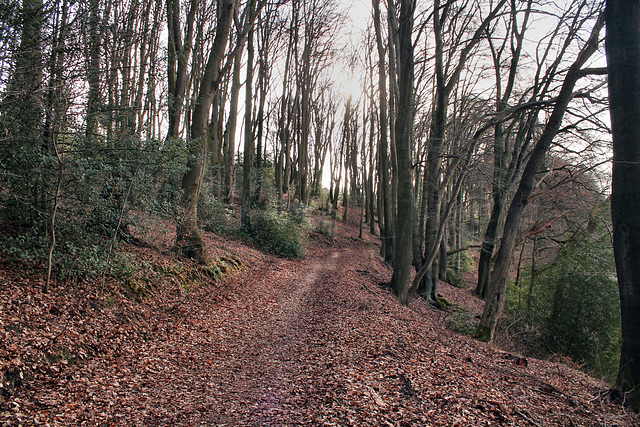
column 283, row 342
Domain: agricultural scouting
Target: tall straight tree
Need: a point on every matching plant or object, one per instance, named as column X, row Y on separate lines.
column 230, row 132
column 22, row 114
column 401, row 279
column 179, row 51
column 386, row 223
column 93, row 69
column 515, row 39
column 445, row 85
column 249, row 143
column 188, row 239
column 623, row 57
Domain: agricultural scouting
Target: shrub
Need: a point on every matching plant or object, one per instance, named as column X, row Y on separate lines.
column 583, row 321
column 216, row 216
column 574, row 306
column 454, row 278
column 462, row 321
column 298, row 213
column 103, row 182
column 278, row 233
column 466, row 262
column 325, row 228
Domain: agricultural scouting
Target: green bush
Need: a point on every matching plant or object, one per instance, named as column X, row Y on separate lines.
column 466, row 261
column 462, row 321
column 325, row 228
column 573, row 308
column 454, row 278
column 298, row 213
column 214, row 215
column 278, row 233
column 104, row 185
column 584, row 320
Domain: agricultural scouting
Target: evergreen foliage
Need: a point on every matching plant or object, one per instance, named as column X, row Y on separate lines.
column 574, row 309
column 105, row 190
column 281, row 233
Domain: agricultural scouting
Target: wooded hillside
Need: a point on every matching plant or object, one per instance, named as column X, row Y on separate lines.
column 317, row 341
column 471, row 138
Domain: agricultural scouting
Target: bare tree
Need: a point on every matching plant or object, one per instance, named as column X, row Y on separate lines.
column 188, row 239
column 249, row 142
column 514, row 39
column 445, row 84
column 179, row 51
column 386, row 221
column 496, row 295
column 401, row 279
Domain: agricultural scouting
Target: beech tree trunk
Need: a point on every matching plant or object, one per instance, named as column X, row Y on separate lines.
column 93, row 70
column 249, row 143
column 401, row 279
column 623, row 57
column 189, row 242
column 433, row 186
column 500, row 143
column 230, row 133
column 386, row 222
column 22, row 114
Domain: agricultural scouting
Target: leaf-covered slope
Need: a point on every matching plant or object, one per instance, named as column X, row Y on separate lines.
column 316, row 341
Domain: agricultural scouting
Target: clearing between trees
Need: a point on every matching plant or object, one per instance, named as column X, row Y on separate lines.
column 317, row 341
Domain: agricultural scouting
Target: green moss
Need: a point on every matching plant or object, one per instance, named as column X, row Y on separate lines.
column 483, row 333
column 221, row 267
column 442, row 303
column 137, row 288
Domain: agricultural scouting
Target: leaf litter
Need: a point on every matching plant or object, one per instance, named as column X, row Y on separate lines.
column 317, row 341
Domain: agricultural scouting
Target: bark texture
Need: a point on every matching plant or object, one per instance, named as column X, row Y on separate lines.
column 623, row 57
column 189, row 242
column 401, row 279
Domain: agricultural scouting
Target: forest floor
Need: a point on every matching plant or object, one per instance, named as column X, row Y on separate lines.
column 317, row 341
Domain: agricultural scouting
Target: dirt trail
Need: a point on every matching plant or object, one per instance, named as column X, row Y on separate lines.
column 285, row 340
column 272, row 342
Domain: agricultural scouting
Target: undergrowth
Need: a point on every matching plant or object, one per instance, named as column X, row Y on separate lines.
column 278, row 232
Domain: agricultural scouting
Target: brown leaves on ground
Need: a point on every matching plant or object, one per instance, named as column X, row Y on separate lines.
column 309, row 342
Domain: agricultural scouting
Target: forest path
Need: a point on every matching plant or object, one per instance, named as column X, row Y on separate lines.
column 285, row 336
column 291, row 356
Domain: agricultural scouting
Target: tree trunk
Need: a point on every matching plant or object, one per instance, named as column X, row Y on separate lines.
column 500, row 144
column 370, row 180
column 401, row 279
column 249, row 143
column 488, row 245
column 283, row 128
column 442, row 266
column 623, row 56
column 93, row 70
column 22, row 119
column 189, row 242
column 386, row 219
column 230, row 132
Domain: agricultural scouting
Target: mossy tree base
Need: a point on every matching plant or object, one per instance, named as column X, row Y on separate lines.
column 191, row 245
column 442, row 303
column 483, row 333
